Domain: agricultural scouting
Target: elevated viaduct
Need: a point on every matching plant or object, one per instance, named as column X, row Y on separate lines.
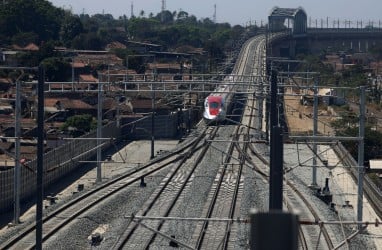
column 302, row 39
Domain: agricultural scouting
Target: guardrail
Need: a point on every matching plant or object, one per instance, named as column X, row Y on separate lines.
column 370, row 189
column 344, row 30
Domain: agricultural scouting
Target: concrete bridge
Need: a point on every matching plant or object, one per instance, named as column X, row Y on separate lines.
column 302, row 39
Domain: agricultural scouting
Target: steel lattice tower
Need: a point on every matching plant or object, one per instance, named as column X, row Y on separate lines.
column 163, row 9
column 163, row 5
column 214, row 16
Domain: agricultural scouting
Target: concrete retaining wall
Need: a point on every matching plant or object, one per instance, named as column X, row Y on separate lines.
column 57, row 163
column 165, row 126
column 64, row 159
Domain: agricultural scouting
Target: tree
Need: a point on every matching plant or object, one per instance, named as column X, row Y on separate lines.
column 354, row 76
column 83, row 123
column 142, row 28
column 56, row 69
column 165, row 17
column 372, row 141
column 70, row 28
column 39, row 17
column 347, row 120
column 182, row 15
column 376, row 50
column 24, row 38
column 89, row 41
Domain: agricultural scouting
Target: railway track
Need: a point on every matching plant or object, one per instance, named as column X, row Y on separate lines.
column 227, row 194
column 295, row 200
column 370, row 189
column 61, row 217
column 212, row 165
column 225, row 198
column 56, row 221
column 224, row 190
column 163, row 201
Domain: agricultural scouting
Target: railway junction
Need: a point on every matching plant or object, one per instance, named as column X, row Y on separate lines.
column 199, row 193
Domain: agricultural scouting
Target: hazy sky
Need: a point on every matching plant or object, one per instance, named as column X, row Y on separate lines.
column 233, row 11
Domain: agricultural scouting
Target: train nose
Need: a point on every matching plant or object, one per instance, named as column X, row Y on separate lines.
column 214, row 111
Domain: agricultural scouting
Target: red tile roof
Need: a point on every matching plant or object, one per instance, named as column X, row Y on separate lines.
column 163, row 66
column 5, row 80
column 31, row 47
column 87, row 78
column 78, row 65
column 67, row 103
column 115, row 45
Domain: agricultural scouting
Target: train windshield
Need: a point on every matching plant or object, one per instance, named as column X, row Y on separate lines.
column 214, row 105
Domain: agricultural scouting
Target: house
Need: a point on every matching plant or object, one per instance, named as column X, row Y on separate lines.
column 8, row 57
column 67, row 107
column 145, row 106
column 31, row 47
column 115, row 45
column 5, row 84
column 164, row 68
column 94, row 59
column 142, row 47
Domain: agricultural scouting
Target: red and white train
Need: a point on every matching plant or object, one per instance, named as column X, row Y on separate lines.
column 217, row 104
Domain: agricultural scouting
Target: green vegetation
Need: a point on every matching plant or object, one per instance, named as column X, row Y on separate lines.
column 23, row 22
column 79, row 124
column 347, row 125
column 351, row 77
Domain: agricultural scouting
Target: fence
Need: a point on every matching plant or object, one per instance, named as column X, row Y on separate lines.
column 66, row 158
column 369, row 188
column 57, row 163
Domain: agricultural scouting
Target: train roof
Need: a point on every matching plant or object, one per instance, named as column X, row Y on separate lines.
column 214, row 98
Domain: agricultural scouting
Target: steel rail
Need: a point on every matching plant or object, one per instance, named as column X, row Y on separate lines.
column 236, row 186
column 128, row 234
column 113, row 186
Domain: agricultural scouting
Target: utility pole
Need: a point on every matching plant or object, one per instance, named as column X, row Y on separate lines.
column 263, row 231
column 361, row 169
column 315, row 130
column 17, row 156
column 99, row 133
column 152, row 123
column 72, row 73
column 276, row 150
column 260, row 93
column 40, row 156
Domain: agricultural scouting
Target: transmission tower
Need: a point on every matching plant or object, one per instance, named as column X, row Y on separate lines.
column 163, row 5
column 132, row 9
column 214, row 16
column 163, row 9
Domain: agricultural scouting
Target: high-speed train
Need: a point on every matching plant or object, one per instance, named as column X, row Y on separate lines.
column 217, row 104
